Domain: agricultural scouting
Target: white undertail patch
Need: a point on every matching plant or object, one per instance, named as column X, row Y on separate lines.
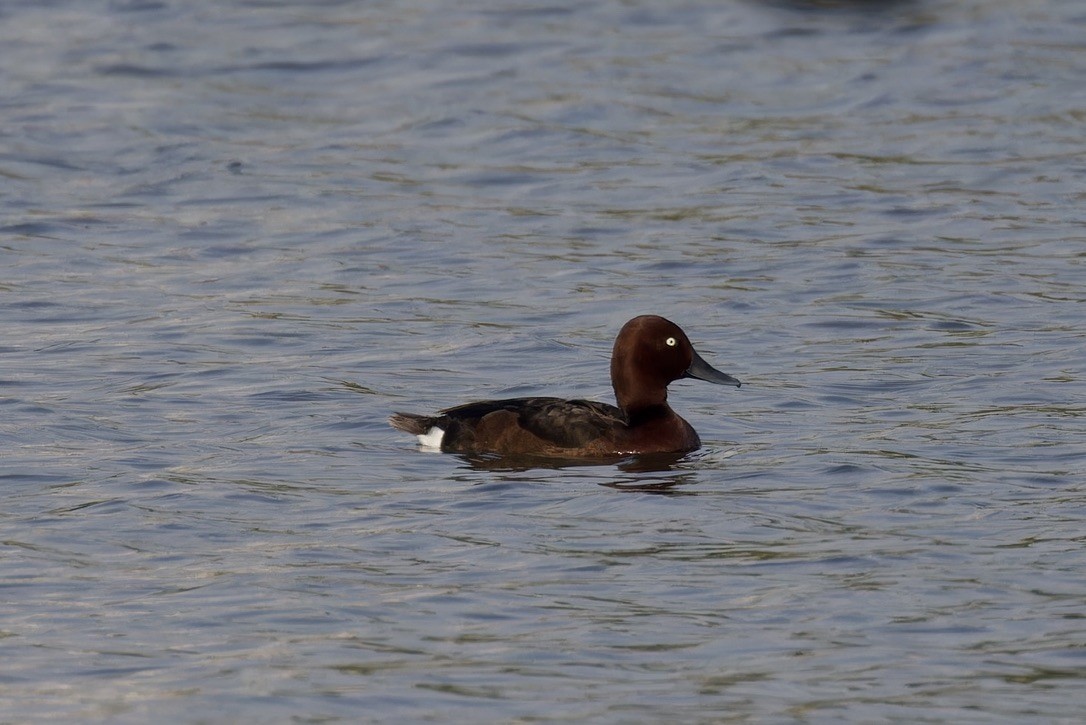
column 431, row 440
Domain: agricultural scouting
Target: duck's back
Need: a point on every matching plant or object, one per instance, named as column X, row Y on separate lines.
column 542, row 426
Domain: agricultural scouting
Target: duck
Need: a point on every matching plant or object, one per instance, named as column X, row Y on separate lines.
column 650, row 352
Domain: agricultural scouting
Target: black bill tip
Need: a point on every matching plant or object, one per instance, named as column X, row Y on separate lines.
column 704, row 371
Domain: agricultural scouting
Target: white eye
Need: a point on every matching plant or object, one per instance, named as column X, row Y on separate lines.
column 671, row 342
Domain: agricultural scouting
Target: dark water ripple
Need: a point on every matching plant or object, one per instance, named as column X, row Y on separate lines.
column 235, row 236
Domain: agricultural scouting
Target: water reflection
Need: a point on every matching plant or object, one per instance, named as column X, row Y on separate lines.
column 645, row 463
column 861, row 5
column 675, row 466
column 670, row 486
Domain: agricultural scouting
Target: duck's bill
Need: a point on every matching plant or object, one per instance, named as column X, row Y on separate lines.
column 704, row 371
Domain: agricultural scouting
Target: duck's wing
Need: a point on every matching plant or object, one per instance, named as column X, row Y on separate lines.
column 571, row 423
column 562, row 423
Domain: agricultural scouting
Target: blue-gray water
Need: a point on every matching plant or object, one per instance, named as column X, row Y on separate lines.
column 235, row 236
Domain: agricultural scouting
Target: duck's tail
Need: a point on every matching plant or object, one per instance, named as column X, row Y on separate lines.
column 424, row 426
column 412, row 423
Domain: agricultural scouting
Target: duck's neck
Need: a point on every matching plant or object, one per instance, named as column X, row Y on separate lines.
column 646, row 414
column 635, row 391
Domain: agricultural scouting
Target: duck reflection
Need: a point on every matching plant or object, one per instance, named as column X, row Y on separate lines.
column 676, row 466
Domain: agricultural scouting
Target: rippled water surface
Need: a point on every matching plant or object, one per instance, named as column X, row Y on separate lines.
column 235, row 236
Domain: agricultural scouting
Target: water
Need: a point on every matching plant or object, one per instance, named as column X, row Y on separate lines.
column 236, row 236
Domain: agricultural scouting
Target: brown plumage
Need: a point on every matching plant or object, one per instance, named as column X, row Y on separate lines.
column 649, row 353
